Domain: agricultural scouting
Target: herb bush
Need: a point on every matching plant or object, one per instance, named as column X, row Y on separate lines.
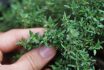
column 74, row 27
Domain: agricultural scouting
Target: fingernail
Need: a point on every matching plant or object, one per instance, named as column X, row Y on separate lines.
column 47, row 52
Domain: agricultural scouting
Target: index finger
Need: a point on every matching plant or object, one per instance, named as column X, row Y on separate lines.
column 9, row 39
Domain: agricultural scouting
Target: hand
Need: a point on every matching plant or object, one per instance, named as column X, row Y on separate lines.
column 33, row 60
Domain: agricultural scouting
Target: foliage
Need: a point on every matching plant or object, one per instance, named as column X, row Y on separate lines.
column 72, row 26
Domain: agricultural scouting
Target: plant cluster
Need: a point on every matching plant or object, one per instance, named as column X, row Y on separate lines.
column 72, row 26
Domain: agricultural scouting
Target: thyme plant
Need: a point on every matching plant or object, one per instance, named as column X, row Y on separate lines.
column 72, row 26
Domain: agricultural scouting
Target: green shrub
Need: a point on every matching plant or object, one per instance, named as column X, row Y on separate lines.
column 71, row 26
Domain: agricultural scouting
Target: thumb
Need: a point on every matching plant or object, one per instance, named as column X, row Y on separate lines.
column 36, row 59
column 1, row 56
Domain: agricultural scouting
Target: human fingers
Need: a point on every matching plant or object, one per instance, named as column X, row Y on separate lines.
column 33, row 60
column 9, row 39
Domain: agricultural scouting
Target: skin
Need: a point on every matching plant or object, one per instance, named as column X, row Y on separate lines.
column 33, row 60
